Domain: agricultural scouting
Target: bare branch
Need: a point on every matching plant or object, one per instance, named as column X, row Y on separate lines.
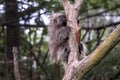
column 105, row 26
column 11, row 61
column 100, row 13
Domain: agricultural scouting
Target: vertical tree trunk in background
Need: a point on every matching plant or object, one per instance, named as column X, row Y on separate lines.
column 11, row 10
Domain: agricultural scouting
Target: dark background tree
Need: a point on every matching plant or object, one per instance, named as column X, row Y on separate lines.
column 11, row 18
column 23, row 25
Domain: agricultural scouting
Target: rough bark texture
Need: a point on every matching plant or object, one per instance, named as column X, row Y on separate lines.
column 75, row 69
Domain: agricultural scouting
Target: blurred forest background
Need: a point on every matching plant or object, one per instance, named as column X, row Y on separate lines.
column 23, row 24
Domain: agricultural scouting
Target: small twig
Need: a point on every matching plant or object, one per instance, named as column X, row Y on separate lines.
column 11, row 61
column 16, row 64
column 46, row 55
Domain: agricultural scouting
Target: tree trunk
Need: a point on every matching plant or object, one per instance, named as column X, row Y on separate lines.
column 11, row 10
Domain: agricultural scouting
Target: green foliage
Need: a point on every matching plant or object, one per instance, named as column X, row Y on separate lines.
column 107, row 4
